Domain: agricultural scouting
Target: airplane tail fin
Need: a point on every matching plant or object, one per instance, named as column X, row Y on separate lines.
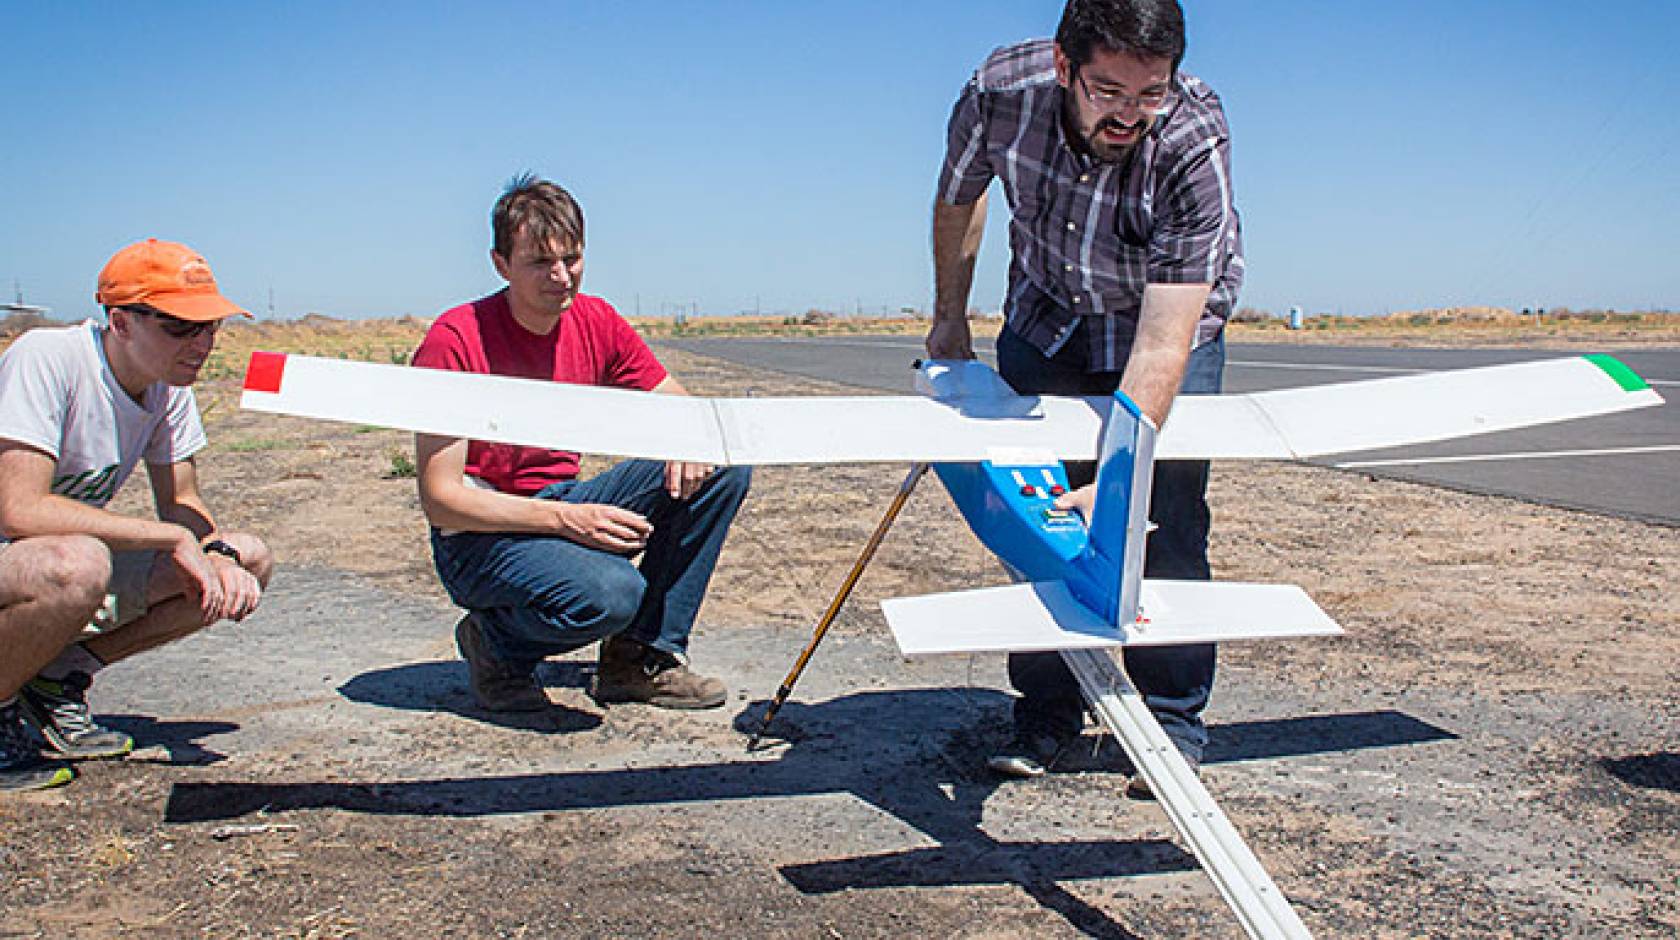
column 1119, row 524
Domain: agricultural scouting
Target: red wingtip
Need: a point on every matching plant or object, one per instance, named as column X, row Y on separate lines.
column 265, row 371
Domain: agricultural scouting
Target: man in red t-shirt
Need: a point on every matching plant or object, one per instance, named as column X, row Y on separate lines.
column 539, row 559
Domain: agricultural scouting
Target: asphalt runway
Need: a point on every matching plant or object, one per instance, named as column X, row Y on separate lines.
column 1625, row 465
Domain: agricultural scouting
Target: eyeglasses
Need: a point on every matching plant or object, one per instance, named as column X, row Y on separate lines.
column 175, row 327
column 1150, row 102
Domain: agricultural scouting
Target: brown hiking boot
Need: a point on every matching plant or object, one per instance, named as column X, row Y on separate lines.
column 497, row 685
column 632, row 672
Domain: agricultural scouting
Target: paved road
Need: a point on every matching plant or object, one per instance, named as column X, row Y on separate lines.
column 1623, row 465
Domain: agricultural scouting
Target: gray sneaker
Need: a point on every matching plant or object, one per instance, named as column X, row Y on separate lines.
column 497, row 685
column 21, row 765
column 58, row 708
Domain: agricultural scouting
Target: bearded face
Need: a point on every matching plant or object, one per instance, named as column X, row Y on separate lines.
column 1114, row 99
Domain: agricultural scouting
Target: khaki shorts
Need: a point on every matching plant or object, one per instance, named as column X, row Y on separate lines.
column 125, row 595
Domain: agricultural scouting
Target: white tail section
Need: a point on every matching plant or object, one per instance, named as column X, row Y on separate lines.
column 1044, row 615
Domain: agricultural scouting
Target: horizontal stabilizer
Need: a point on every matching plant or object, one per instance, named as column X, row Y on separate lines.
column 1044, row 615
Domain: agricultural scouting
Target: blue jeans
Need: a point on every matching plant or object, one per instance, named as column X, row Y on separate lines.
column 1174, row 680
column 539, row 595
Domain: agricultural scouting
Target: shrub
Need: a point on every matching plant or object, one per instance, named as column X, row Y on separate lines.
column 402, row 466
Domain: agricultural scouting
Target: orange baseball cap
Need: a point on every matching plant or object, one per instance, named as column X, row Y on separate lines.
column 166, row 276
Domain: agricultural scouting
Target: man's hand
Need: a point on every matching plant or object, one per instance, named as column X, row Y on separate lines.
column 199, row 577
column 240, row 589
column 1080, row 500
column 604, row 527
column 683, row 479
column 950, row 339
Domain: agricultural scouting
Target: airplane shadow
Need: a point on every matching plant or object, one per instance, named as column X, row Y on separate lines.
column 1318, row 734
column 938, row 785
column 442, row 686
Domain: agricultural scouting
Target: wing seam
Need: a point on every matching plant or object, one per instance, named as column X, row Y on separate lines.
column 1266, row 416
column 716, row 409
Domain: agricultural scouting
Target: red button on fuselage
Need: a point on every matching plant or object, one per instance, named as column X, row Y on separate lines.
column 1028, row 490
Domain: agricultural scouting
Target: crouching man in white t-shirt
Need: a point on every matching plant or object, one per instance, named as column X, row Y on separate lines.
column 82, row 587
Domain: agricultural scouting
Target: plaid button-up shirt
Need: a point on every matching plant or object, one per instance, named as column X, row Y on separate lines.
column 1085, row 236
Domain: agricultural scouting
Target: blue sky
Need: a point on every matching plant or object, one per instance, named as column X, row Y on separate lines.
column 782, row 156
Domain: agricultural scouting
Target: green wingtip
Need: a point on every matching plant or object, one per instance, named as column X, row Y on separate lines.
column 1628, row 379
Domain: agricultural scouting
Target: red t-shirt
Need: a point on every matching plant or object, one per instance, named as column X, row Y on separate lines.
column 592, row 345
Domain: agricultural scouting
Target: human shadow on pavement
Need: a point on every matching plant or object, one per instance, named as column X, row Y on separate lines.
column 180, row 739
column 442, row 686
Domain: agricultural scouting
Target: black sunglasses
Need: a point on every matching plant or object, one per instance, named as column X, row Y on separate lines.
column 175, row 327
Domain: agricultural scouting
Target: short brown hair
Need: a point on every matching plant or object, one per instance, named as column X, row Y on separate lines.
column 547, row 213
column 1139, row 27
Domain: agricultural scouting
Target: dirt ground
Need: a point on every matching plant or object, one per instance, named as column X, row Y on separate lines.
column 1492, row 750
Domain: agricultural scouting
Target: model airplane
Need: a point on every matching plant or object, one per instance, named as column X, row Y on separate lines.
column 998, row 453
column 1079, row 582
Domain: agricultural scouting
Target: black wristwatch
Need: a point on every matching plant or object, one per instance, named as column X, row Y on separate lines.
column 219, row 547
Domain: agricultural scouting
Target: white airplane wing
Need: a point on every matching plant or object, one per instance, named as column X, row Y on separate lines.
column 1044, row 615
column 1390, row 412
column 486, row 407
column 1283, row 424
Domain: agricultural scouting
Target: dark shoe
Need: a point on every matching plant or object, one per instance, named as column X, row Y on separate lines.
column 1138, row 788
column 58, row 709
column 1030, row 753
column 632, row 672
column 497, row 685
column 21, row 765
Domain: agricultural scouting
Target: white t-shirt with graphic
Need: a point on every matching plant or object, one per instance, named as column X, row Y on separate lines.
column 58, row 394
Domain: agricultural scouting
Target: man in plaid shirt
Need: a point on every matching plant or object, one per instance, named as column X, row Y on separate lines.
column 1125, row 260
